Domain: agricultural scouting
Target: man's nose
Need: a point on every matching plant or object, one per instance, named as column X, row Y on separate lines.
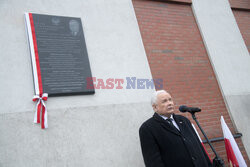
column 170, row 103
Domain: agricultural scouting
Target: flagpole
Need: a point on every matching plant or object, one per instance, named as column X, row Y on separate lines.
column 217, row 161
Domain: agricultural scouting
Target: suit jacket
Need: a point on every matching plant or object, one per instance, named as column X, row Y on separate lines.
column 164, row 146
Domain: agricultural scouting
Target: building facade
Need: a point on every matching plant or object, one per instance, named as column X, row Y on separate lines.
column 199, row 50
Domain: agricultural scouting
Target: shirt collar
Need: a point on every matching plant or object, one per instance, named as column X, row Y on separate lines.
column 164, row 117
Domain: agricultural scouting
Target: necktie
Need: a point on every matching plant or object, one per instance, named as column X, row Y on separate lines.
column 170, row 121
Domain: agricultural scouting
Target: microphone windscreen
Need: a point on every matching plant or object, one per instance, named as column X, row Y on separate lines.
column 183, row 108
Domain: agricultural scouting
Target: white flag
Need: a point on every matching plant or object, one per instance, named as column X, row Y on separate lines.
column 234, row 155
column 202, row 143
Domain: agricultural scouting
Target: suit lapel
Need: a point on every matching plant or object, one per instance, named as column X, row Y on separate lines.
column 179, row 122
column 165, row 125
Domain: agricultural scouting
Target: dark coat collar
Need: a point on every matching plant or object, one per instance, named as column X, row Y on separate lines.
column 165, row 125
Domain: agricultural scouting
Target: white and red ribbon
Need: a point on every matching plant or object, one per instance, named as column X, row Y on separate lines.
column 41, row 108
column 40, row 97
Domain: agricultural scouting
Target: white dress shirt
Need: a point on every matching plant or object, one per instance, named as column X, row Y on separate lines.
column 175, row 124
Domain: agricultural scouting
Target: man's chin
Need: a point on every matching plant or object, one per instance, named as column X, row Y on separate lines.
column 170, row 111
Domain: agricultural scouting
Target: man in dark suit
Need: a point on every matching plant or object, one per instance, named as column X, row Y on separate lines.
column 169, row 140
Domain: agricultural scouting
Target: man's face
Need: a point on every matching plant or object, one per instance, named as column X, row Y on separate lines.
column 164, row 104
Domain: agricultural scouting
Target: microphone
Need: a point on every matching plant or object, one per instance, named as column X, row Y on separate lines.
column 192, row 110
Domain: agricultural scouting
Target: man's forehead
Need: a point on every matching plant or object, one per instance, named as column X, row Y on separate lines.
column 164, row 95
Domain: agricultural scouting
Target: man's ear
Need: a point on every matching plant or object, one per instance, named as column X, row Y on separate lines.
column 154, row 107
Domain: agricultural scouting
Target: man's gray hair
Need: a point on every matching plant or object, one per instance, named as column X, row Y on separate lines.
column 155, row 94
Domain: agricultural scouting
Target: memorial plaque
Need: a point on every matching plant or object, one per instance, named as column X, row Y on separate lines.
column 59, row 51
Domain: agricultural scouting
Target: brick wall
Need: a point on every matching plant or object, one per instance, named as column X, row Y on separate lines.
column 243, row 4
column 241, row 11
column 176, row 54
column 243, row 21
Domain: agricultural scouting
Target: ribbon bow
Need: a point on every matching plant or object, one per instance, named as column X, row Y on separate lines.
column 40, row 106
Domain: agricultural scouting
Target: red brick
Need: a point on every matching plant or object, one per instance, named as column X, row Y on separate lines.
column 176, row 53
column 243, row 21
column 243, row 4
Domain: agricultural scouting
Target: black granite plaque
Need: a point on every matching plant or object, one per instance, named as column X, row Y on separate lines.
column 62, row 54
